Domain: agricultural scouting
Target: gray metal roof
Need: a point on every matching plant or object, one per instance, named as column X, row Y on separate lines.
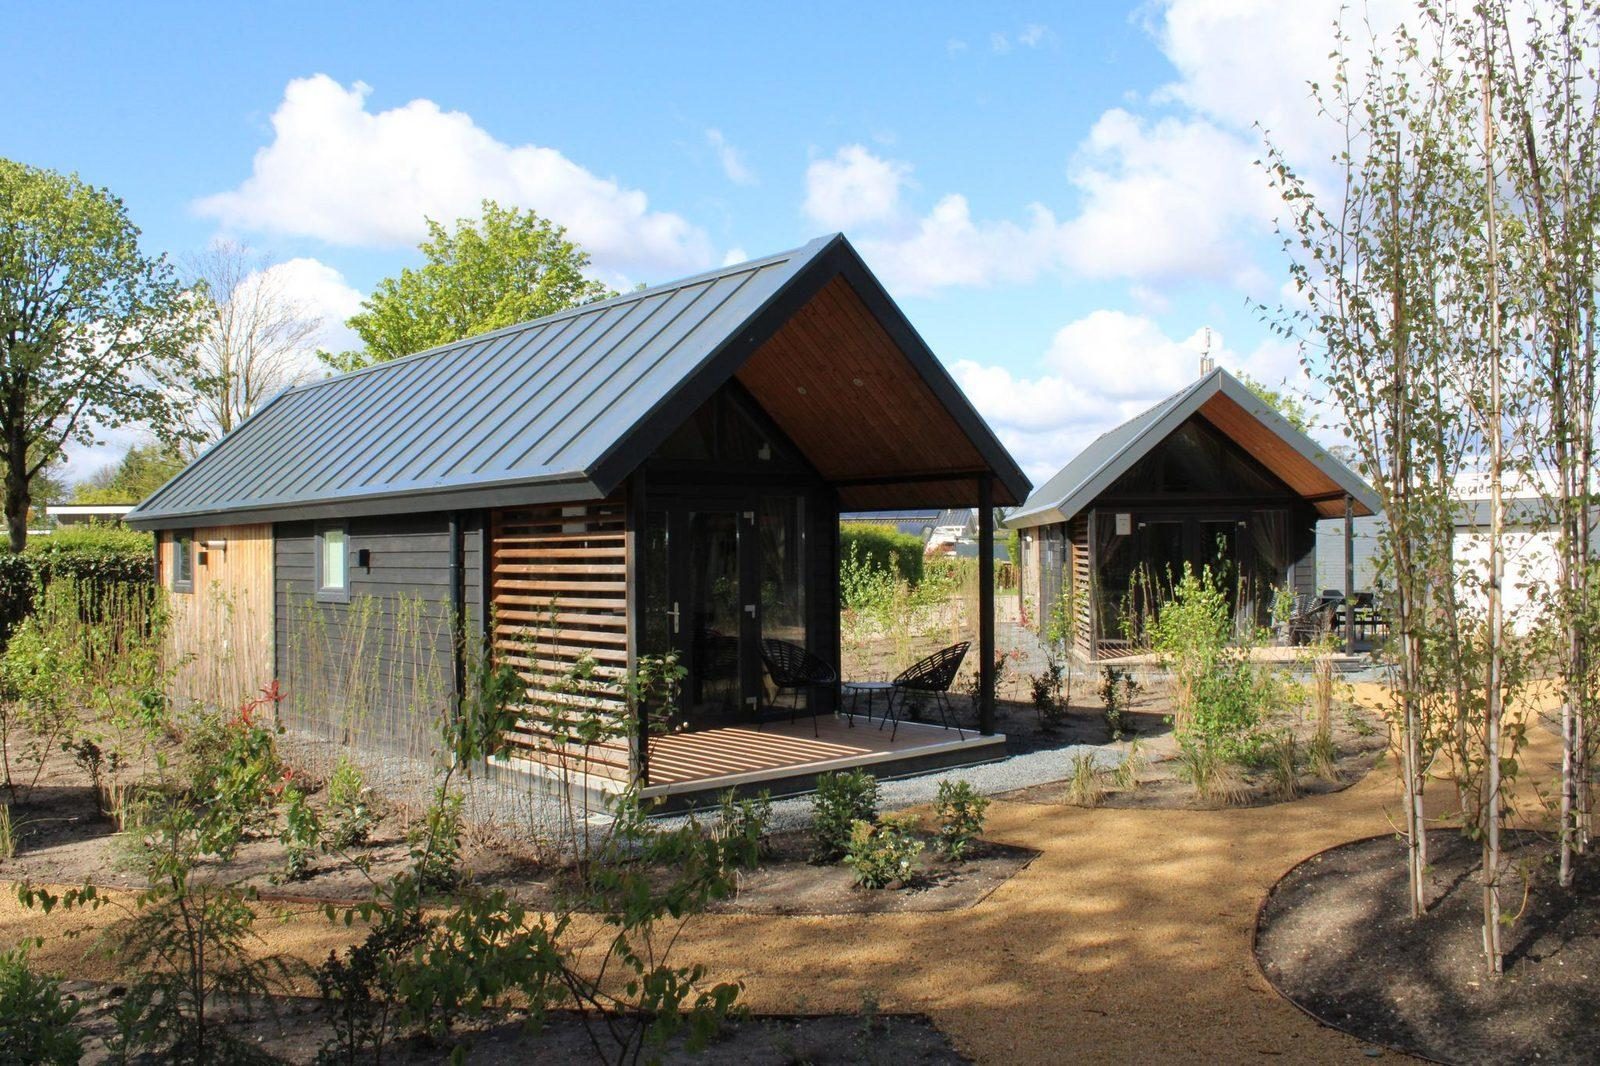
column 1115, row 451
column 559, row 408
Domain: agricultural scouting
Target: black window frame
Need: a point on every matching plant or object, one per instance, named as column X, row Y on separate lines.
column 182, row 548
column 324, row 593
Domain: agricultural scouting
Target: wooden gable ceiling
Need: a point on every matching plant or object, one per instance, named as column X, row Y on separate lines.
column 839, row 386
column 1277, row 455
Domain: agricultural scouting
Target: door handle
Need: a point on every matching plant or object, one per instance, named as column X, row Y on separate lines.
column 674, row 614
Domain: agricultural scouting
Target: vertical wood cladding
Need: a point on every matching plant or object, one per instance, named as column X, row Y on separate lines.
column 219, row 638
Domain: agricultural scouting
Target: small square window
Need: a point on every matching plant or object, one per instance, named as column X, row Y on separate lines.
column 333, row 563
column 182, row 562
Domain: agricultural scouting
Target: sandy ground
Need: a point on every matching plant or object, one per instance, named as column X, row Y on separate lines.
column 1127, row 940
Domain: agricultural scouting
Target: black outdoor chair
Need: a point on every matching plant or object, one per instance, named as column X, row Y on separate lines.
column 795, row 670
column 932, row 676
column 1312, row 618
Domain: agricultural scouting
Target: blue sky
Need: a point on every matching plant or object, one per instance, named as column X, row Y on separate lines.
column 1060, row 196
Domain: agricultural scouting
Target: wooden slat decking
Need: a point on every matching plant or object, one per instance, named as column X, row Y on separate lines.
column 732, row 755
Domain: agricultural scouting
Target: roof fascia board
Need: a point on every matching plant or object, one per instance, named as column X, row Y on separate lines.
column 1318, row 456
column 513, row 495
column 1118, row 464
column 900, row 330
column 630, row 450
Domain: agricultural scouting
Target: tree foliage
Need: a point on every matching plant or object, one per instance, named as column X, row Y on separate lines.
column 252, row 344
column 91, row 328
column 142, row 469
column 506, row 267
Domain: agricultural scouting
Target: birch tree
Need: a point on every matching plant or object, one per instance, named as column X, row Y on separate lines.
column 1551, row 105
column 255, row 341
column 1371, row 253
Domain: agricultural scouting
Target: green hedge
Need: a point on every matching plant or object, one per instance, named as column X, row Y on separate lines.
column 105, row 563
column 881, row 544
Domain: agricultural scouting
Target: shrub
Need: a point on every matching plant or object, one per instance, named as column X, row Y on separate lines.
column 301, row 836
column 350, row 814
column 960, row 810
column 1283, row 764
column 1116, row 692
column 743, row 824
column 1220, row 696
column 436, row 843
column 842, row 799
column 1125, row 778
column 35, row 1018
column 103, row 565
column 883, row 548
column 882, row 854
column 1086, row 785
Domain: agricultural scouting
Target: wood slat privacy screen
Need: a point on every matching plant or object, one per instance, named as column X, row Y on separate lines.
column 1078, row 550
column 559, row 592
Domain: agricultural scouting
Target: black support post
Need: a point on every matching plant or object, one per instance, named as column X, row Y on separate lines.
column 1349, row 576
column 986, row 604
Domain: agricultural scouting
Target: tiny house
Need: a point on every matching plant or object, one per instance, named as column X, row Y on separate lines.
column 661, row 472
column 1211, row 476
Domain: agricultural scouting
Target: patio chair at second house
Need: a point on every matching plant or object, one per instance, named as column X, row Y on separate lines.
column 933, row 677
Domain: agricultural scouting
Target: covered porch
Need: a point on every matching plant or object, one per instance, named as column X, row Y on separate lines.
column 714, row 539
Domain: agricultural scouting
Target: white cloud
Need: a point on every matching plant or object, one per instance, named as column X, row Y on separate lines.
column 948, row 248
column 999, row 43
column 955, row 46
column 319, row 290
column 1035, row 34
column 1252, row 61
column 1099, row 371
column 732, row 160
column 1172, row 198
column 735, row 255
column 854, row 188
column 339, row 172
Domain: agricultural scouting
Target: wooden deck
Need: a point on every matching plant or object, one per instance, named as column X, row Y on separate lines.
column 734, row 756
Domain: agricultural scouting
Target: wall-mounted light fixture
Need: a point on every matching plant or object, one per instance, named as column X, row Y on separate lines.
column 364, row 558
column 220, row 545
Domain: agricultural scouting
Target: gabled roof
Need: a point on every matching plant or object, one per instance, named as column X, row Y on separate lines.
column 560, row 408
column 1222, row 399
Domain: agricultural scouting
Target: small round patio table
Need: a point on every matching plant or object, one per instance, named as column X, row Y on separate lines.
column 871, row 690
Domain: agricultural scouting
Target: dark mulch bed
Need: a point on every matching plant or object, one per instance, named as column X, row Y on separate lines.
column 292, row 1030
column 1335, row 938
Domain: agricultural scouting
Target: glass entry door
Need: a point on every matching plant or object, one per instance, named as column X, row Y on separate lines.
column 718, row 576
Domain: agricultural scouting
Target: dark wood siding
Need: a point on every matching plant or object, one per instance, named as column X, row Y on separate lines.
column 378, row 670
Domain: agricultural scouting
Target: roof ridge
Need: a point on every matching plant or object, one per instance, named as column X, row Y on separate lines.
column 810, row 248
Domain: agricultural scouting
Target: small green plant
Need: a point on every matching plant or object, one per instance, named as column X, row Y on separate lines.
column 883, row 854
column 961, row 812
column 842, row 799
column 1117, row 689
column 1125, row 778
column 1047, row 689
column 35, row 1018
column 1212, row 776
column 8, row 833
column 350, row 810
column 1086, row 785
column 743, row 824
column 1283, row 764
column 301, row 835
column 436, row 843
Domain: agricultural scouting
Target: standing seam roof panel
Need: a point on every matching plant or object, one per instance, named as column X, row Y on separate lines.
column 504, row 394
column 668, row 342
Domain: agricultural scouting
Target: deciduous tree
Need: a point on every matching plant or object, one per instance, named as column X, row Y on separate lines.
column 93, row 332
column 506, row 267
